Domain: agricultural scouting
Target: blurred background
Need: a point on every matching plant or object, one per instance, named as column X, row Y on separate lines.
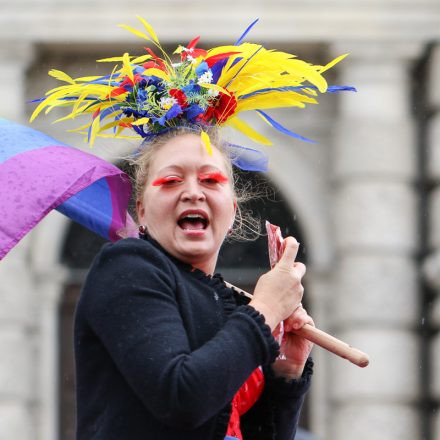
column 364, row 201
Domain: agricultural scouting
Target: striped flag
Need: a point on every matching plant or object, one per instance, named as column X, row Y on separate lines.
column 38, row 174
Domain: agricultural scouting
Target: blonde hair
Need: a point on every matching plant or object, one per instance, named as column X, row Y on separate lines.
column 246, row 226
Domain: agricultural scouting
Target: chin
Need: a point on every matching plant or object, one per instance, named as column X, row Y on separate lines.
column 197, row 254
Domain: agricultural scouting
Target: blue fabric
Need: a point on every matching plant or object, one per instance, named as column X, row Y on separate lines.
column 91, row 207
column 38, row 174
column 247, row 159
column 16, row 138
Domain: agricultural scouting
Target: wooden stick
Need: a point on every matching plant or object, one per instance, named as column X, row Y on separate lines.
column 325, row 340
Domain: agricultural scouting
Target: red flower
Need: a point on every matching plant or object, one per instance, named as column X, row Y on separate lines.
column 180, row 96
column 224, row 107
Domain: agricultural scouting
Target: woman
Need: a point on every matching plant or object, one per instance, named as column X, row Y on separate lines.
column 162, row 346
column 164, row 350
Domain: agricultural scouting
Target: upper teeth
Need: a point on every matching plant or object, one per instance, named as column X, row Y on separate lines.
column 194, row 216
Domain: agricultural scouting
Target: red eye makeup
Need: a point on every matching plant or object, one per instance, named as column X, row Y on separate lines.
column 165, row 180
column 215, row 177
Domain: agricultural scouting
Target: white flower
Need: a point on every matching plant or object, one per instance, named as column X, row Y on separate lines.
column 167, row 103
column 206, row 78
column 212, row 92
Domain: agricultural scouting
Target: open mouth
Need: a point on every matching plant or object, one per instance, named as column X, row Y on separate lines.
column 193, row 221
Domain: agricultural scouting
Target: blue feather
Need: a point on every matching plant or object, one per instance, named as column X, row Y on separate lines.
column 282, row 129
column 242, row 67
column 335, row 89
column 243, row 35
column 330, row 89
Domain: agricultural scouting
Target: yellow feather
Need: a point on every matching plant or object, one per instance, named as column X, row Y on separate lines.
column 148, row 28
column 78, row 129
column 141, row 121
column 156, row 72
column 117, row 136
column 80, row 99
column 119, row 130
column 141, row 59
column 332, row 63
column 274, row 100
column 110, row 60
column 58, row 74
column 206, row 142
column 134, row 31
column 179, row 49
column 95, row 130
column 115, row 123
column 126, row 69
column 56, row 89
column 223, row 49
column 247, row 130
column 87, row 78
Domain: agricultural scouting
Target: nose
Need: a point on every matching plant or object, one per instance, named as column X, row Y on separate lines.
column 192, row 191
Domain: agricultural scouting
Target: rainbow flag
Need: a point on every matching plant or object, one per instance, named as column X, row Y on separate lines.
column 38, row 174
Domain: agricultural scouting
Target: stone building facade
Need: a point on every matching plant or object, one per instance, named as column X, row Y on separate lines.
column 366, row 197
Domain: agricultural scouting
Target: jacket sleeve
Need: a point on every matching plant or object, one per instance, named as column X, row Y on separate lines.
column 279, row 408
column 130, row 304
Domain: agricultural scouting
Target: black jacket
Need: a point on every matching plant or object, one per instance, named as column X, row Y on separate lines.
column 161, row 349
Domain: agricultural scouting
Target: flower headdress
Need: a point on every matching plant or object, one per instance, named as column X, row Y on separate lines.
column 150, row 94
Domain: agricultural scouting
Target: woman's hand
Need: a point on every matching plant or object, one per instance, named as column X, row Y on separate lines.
column 279, row 291
column 295, row 348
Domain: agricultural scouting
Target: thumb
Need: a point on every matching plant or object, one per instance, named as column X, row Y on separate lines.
column 291, row 247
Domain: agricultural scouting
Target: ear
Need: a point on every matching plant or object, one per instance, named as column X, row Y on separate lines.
column 235, row 211
column 140, row 210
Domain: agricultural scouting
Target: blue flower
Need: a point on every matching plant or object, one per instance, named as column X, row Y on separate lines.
column 141, row 96
column 202, row 68
column 193, row 111
column 191, row 88
column 173, row 112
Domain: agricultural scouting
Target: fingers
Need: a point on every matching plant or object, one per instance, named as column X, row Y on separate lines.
column 298, row 319
column 290, row 251
column 300, row 269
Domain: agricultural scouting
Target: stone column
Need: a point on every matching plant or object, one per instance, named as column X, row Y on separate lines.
column 432, row 262
column 17, row 299
column 15, row 58
column 375, row 299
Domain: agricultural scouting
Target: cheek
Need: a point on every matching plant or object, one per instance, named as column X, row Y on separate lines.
column 151, row 206
column 226, row 208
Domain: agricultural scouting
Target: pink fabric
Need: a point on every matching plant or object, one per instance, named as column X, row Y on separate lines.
column 36, row 181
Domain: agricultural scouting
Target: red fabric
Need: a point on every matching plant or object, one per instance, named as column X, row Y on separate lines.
column 243, row 400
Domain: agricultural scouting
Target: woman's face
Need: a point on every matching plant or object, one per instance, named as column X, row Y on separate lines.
column 188, row 203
